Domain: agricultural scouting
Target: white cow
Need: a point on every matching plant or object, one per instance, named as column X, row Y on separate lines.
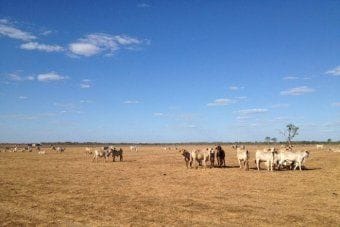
column 201, row 156
column 267, row 156
column 41, row 152
column 133, row 148
column 99, row 153
column 243, row 157
column 319, row 146
column 294, row 157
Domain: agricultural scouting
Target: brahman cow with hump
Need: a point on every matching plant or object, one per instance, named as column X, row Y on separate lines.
column 267, row 156
column 242, row 156
column 296, row 158
column 197, row 157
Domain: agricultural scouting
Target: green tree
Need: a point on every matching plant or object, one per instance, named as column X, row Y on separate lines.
column 267, row 139
column 290, row 132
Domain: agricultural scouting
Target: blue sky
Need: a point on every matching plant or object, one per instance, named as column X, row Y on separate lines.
column 168, row 71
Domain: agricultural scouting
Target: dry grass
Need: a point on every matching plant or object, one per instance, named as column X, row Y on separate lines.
column 153, row 187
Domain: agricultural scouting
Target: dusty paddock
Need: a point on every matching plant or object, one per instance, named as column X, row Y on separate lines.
column 153, row 187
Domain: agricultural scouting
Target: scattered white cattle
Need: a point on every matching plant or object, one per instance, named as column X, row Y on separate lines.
column 134, row 148
column 296, row 158
column 243, row 157
column 58, row 149
column 88, row 151
column 41, row 152
column 319, row 146
column 267, row 156
column 100, row 154
column 201, row 156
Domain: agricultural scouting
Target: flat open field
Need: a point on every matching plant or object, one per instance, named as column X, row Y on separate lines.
column 153, row 187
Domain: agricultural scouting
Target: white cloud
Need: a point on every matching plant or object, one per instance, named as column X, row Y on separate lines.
column 41, row 47
column 8, row 29
column 221, row 102
column 84, row 49
column 252, row 111
column 22, row 97
column 233, row 88
column 297, row 91
column 336, row 104
column 241, row 97
column 47, row 32
column 280, row 105
column 51, row 76
column 85, row 101
column 158, row 114
column 290, row 78
column 143, row 5
column 131, row 102
column 15, row 77
column 86, row 83
column 100, row 42
column 334, row 72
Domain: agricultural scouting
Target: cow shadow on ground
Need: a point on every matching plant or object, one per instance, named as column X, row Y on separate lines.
column 283, row 170
column 226, row 167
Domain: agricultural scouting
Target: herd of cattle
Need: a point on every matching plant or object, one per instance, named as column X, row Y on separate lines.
column 274, row 158
column 30, row 148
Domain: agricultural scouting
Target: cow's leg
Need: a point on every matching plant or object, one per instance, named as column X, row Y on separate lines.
column 246, row 165
column 239, row 163
column 258, row 165
column 121, row 158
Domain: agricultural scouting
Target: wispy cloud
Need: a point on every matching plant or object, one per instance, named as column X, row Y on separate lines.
column 334, row 72
column 131, row 102
column 16, row 77
column 297, row 91
column 41, row 47
column 8, row 29
column 47, row 32
column 49, row 77
column 94, row 44
column 221, row 102
column 280, row 105
column 290, row 78
column 143, row 5
column 252, row 111
column 337, row 104
column 86, row 83
column 86, row 101
column 158, row 114
column 22, row 97
column 235, row 88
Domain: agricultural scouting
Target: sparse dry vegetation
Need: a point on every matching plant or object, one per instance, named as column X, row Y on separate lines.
column 153, row 187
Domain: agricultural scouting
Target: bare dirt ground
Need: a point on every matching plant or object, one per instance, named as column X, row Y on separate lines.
column 153, row 187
